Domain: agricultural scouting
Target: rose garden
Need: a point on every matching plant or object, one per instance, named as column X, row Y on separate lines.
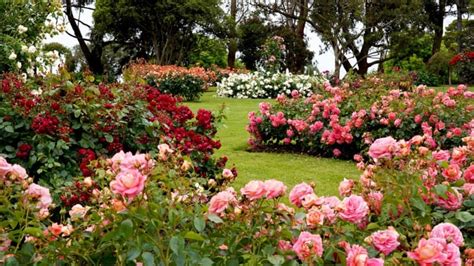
column 196, row 163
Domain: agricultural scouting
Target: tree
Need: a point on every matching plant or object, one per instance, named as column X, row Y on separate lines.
column 23, row 25
column 91, row 47
column 253, row 33
column 162, row 30
column 464, row 39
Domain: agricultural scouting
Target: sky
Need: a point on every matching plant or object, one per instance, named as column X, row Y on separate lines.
column 324, row 61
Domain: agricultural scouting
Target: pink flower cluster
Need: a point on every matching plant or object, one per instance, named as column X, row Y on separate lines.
column 131, row 173
column 441, row 248
column 270, row 189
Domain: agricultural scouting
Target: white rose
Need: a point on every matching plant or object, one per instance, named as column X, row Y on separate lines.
column 22, row 29
column 24, row 48
column 12, row 56
column 31, row 49
column 18, row 64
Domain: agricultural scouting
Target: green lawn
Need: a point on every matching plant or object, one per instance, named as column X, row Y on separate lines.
column 287, row 167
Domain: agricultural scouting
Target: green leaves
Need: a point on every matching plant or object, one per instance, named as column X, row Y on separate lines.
column 214, row 218
column 177, row 244
column 464, row 216
column 126, row 228
column 199, row 224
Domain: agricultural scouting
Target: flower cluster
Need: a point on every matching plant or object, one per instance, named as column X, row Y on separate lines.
column 161, row 72
column 58, row 130
column 266, row 85
column 338, row 121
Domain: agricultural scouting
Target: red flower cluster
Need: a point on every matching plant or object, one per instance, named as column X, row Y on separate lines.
column 45, row 124
column 86, row 155
column 24, row 151
column 461, row 57
column 204, row 118
column 79, row 193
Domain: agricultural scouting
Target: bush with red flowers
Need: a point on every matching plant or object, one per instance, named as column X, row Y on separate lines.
column 343, row 121
column 464, row 66
column 55, row 128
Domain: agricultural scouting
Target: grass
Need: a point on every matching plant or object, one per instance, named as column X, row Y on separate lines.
column 290, row 168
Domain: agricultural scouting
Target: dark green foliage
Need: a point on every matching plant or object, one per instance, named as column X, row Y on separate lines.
column 187, row 86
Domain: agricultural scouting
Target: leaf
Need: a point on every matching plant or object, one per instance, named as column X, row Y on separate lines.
column 36, row 232
column 109, row 138
column 11, row 261
column 214, row 218
column 464, row 217
column 133, row 253
column 199, row 224
column 177, row 244
column 372, row 226
column 126, row 228
column 148, row 259
column 276, row 260
column 9, row 129
column 440, row 190
column 206, row 262
column 193, row 236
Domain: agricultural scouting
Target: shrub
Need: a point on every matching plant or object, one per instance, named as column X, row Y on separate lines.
column 464, row 66
column 266, row 85
column 342, row 121
column 167, row 217
column 188, row 87
column 54, row 127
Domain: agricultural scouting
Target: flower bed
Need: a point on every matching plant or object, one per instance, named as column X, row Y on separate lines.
column 151, row 209
column 343, row 121
column 54, row 127
column 266, row 85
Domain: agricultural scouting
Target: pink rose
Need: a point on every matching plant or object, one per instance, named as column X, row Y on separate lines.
column 453, row 255
column 375, row 199
column 468, row 188
column 308, row 245
column 452, row 202
column 458, row 155
column 284, row 245
column 311, row 200
column 5, row 167
column 353, row 209
column 298, row 192
column 469, row 174
column 383, row 148
column 442, row 155
column 452, row 172
column 78, row 212
column 274, row 188
column 227, row 173
column 128, row 183
column 357, row 256
column 336, row 152
column 429, row 251
column 41, row 193
column 221, row 201
column 254, row 190
column 449, row 232
column 345, row 187
column 164, row 151
column 385, row 241
column 18, row 171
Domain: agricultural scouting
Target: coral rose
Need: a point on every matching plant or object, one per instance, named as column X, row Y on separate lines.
column 254, row 190
column 345, row 187
column 469, row 174
column 128, row 183
column 357, row 255
column 308, row 245
column 429, row 251
column 383, row 148
column 452, row 172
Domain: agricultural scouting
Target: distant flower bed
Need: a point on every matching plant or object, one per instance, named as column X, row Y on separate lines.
column 343, row 121
column 266, row 85
column 55, row 128
column 411, row 206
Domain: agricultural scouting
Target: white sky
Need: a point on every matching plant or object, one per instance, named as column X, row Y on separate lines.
column 323, row 61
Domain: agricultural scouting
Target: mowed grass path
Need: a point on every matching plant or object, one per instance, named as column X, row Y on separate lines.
column 290, row 168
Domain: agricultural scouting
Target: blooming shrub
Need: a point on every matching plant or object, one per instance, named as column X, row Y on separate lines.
column 55, row 128
column 152, row 209
column 188, row 87
column 463, row 64
column 343, row 121
column 266, row 85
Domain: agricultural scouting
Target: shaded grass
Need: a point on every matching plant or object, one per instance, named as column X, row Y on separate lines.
column 291, row 168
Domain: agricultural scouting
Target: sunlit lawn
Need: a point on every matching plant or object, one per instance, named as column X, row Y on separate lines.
column 288, row 167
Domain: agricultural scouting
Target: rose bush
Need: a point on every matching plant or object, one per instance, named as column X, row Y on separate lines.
column 155, row 210
column 54, row 127
column 266, row 85
column 344, row 121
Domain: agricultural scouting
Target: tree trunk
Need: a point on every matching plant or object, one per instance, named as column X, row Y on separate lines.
column 232, row 44
column 459, row 25
column 438, row 26
column 93, row 59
